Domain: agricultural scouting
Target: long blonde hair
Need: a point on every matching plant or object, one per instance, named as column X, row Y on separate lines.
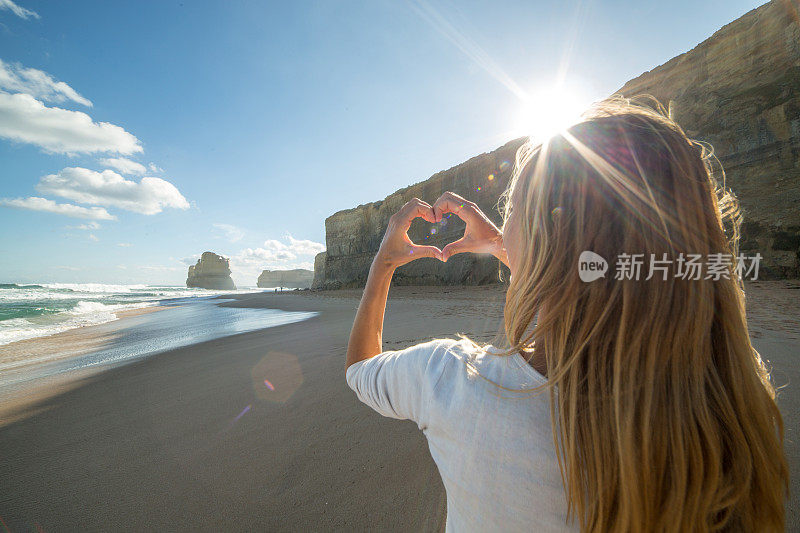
column 664, row 418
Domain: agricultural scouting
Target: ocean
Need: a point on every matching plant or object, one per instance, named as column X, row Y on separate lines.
column 190, row 316
column 38, row 310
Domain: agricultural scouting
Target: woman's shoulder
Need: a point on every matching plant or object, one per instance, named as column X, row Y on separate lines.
column 467, row 359
column 446, row 347
column 490, row 362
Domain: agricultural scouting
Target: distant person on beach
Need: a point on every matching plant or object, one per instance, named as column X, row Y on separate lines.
column 619, row 402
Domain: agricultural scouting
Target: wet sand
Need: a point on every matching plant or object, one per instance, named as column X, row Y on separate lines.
column 66, row 344
column 259, row 430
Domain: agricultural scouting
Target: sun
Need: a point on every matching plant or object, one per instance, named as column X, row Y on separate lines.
column 549, row 111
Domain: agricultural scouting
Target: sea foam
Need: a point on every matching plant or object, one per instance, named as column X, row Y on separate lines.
column 36, row 310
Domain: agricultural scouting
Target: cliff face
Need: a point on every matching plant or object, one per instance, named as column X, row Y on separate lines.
column 296, row 279
column 740, row 91
column 354, row 235
column 319, row 271
column 211, row 272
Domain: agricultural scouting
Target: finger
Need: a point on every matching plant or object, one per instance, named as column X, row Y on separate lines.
column 463, row 209
column 418, row 251
column 456, row 247
column 442, row 200
column 413, row 209
column 450, row 195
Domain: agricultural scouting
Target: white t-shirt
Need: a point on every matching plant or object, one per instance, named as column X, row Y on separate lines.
column 494, row 448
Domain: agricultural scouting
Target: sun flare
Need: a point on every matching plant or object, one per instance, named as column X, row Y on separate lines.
column 549, row 111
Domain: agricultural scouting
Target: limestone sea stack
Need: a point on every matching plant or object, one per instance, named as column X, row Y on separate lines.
column 297, row 278
column 212, row 271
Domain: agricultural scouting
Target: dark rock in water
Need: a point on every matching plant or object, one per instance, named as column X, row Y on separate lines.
column 298, row 278
column 739, row 90
column 212, row 271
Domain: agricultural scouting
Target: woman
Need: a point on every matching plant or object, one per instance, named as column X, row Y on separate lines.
column 660, row 414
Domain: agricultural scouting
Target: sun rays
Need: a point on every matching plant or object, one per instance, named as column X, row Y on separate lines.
column 547, row 112
column 542, row 111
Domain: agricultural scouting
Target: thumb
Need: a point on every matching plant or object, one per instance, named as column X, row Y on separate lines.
column 457, row 247
column 418, row 251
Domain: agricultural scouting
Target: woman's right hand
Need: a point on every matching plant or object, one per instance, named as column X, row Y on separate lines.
column 480, row 236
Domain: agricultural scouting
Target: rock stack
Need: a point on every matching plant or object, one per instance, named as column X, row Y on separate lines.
column 297, row 278
column 212, row 271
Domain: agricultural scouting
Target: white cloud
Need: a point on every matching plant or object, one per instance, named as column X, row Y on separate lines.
column 266, row 256
column 155, row 168
column 35, row 203
column 160, row 268
column 124, row 244
column 38, row 84
column 89, row 226
column 304, row 247
column 295, row 246
column 275, row 255
column 232, row 233
column 93, row 237
column 123, row 165
column 248, row 263
column 19, row 11
column 107, row 188
column 25, row 119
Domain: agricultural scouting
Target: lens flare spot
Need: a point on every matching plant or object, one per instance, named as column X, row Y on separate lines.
column 276, row 377
column 478, row 189
column 504, row 165
column 490, row 177
column 244, row 411
column 433, row 231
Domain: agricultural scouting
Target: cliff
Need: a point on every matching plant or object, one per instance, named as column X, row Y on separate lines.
column 740, row 91
column 319, row 271
column 296, row 279
column 212, row 271
column 354, row 235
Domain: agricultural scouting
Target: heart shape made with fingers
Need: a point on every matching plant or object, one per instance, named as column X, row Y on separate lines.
column 449, row 229
column 479, row 236
column 449, row 232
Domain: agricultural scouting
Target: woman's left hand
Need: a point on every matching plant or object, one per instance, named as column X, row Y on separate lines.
column 396, row 247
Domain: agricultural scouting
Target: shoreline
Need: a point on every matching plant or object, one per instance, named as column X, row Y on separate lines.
column 192, row 437
column 38, row 351
column 86, row 304
column 71, row 343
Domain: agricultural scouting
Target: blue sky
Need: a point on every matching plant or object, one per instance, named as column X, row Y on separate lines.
column 136, row 135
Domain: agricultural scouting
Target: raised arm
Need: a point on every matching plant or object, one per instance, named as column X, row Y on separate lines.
column 366, row 337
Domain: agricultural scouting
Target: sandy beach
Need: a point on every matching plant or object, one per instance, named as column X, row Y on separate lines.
column 259, row 430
